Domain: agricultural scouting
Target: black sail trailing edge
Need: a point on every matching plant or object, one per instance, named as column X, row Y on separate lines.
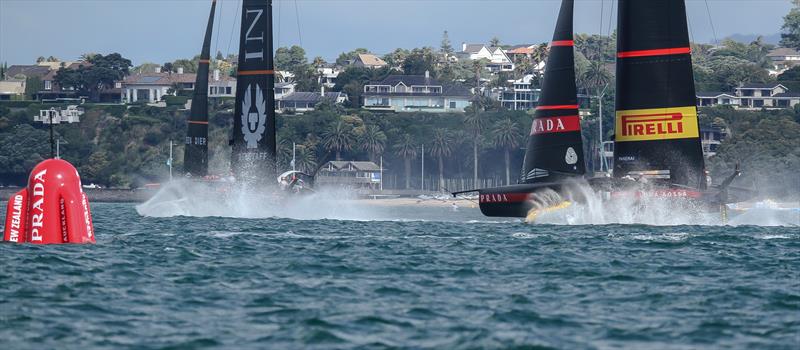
column 657, row 130
column 253, row 159
column 195, row 157
column 555, row 147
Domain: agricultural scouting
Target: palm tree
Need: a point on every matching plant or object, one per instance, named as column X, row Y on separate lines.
column 476, row 121
column 339, row 137
column 440, row 148
column 495, row 42
column 407, row 149
column 318, row 62
column 506, row 135
column 372, row 141
column 596, row 75
column 478, row 65
column 306, row 159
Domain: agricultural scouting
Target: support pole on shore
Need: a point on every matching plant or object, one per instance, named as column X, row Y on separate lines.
column 422, row 178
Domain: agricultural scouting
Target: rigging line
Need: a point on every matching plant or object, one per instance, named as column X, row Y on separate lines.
column 713, row 30
column 278, row 34
column 233, row 28
column 601, row 47
column 297, row 17
column 218, row 30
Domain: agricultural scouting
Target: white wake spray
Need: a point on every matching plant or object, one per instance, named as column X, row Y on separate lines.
column 590, row 208
column 199, row 199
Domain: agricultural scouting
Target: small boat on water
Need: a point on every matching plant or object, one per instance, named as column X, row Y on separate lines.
column 657, row 153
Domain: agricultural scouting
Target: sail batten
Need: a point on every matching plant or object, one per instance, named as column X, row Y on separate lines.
column 656, row 122
column 555, row 147
column 195, row 157
column 253, row 158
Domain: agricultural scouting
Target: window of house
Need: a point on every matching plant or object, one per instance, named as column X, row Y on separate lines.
column 783, row 103
column 418, row 89
column 766, row 92
column 48, row 85
column 758, row 103
column 726, row 101
column 747, row 92
column 452, row 104
column 228, row 90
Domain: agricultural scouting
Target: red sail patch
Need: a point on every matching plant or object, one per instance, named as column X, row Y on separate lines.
column 556, row 124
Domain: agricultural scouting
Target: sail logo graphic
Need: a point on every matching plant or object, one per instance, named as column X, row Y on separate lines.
column 556, row 124
column 536, row 173
column 657, row 124
column 253, row 123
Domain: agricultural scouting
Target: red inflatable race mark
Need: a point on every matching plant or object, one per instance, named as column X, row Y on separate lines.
column 52, row 209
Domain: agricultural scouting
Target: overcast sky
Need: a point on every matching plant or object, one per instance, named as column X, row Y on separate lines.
column 163, row 30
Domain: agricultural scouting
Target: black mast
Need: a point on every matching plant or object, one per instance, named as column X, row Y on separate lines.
column 195, row 157
column 657, row 130
column 253, row 158
column 555, row 147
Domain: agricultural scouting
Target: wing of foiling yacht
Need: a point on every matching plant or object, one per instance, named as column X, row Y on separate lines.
column 294, row 181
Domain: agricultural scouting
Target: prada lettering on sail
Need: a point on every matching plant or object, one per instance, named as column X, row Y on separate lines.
column 657, row 124
column 556, row 124
column 37, row 210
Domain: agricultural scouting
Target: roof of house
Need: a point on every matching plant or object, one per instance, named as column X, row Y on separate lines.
column 369, row 59
column 408, row 80
column 344, row 165
column 27, row 70
column 783, row 51
column 417, row 80
column 522, row 50
column 473, row 48
column 169, row 79
column 51, row 75
column 714, row 94
column 311, row 97
column 760, row 86
column 787, row 94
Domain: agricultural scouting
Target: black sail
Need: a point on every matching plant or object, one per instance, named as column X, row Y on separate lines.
column 555, row 148
column 195, row 157
column 656, row 128
column 253, row 158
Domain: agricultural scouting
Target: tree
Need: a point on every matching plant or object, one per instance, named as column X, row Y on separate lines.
column 396, row 58
column 420, row 61
column 791, row 78
column 189, row 66
column 446, row 48
column 338, row 137
column 87, row 56
column 219, row 56
column 406, row 148
column 478, row 66
column 40, row 59
column 101, row 73
column 506, row 135
column 167, row 67
column 372, row 141
column 53, row 59
column 319, row 62
column 305, row 159
column 476, row 122
column 790, row 31
column 495, row 42
column 21, row 149
column 147, row 67
column 289, row 59
column 441, row 147
column 32, row 86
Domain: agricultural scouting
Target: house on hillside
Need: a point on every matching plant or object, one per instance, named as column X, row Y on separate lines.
column 300, row 102
column 410, row 93
column 522, row 95
column 152, row 87
column 349, row 174
column 12, row 89
column 327, row 75
column 499, row 61
column 52, row 91
column 283, row 89
column 25, row 71
column 369, row 60
column 752, row 96
column 782, row 59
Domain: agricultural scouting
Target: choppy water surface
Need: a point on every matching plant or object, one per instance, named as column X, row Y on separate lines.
column 465, row 282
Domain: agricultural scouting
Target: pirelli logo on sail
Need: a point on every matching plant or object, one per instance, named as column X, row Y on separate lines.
column 656, row 124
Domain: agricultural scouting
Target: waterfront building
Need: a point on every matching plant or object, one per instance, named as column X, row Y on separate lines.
column 522, row 95
column 349, row 174
column 409, row 93
column 299, row 102
column 752, row 96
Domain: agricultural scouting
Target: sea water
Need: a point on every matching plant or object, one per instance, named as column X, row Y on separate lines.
column 402, row 277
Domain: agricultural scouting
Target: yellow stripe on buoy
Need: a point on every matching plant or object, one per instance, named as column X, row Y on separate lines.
column 533, row 213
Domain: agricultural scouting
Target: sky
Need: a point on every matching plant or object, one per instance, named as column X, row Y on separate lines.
column 163, row 30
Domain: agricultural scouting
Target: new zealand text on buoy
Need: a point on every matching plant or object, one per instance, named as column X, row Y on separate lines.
column 52, row 209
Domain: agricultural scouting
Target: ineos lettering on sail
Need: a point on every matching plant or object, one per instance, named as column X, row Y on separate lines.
column 248, row 37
